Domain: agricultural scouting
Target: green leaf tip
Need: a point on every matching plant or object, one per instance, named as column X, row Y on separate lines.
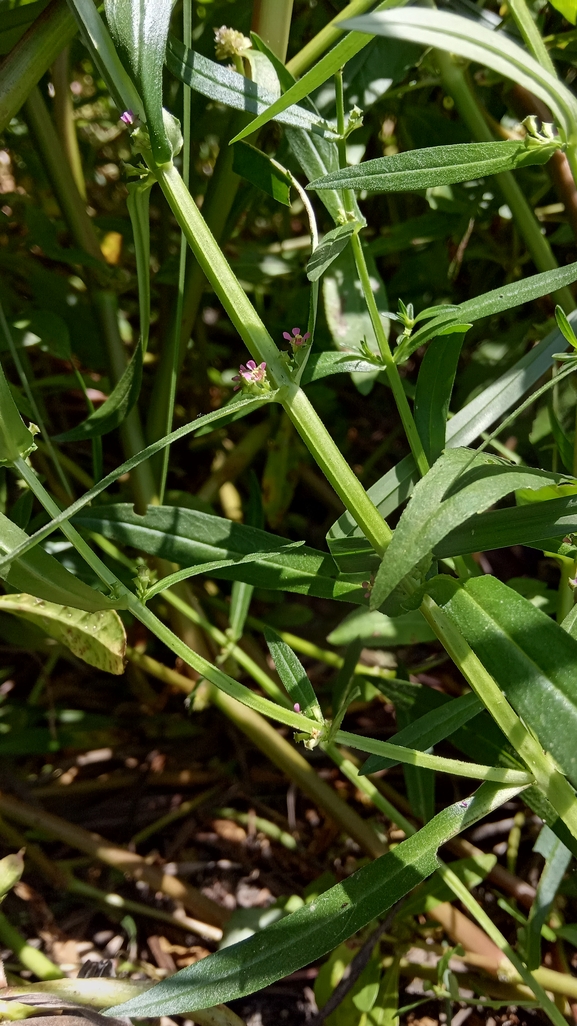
column 140, row 30
column 16, row 440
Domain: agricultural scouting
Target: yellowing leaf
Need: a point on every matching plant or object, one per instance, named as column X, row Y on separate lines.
column 97, row 638
column 568, row 8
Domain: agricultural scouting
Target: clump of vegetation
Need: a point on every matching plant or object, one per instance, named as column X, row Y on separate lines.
column 288, row 466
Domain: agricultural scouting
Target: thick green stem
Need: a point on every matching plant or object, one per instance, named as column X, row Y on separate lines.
column 261, row 346
column 63, row 115
column 32, row 959
column 26, row 63
column 271, row 20
column 105, row 301
column 455, row 83
column 391, row 368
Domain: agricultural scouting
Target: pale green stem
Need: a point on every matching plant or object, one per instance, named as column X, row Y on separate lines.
column 63, row 116
column 271, row 20
column 32, row 959
column 455, row 83
column 146, row 616
column 548, row 778
column 528, row 29
column 412, row 757
column 266, row 683
column 262, row 348
column 174, row 337
column 391, row 368
column 486, row 923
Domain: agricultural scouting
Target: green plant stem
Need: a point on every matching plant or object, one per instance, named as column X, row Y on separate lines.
column 173, row 356
column 110, row 900
column 411, row 757
column 26, row 63
column 533, row 39
column 32, row 959
column 391, row 368
column 63, row 116
column 548, row 778
column 146, row 616
column 280, row 752
column 271, row 20
column 52, row 450
column 455, row 83
column 262, row 679
column 324, row 39
column 262, row 348
column 104, row 299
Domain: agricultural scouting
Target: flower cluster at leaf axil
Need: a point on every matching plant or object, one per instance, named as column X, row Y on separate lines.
column 296, row 339
column 230, row 43
column 252, row 378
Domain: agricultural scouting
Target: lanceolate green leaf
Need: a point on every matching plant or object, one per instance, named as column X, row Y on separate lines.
column 140, row 30
column 522, row 525
column 329, row 248
column 39, row 574
column 436, row 165
column 433, row 393
column 219, row 83
column 429, row 729
column 188, row 537
column 467, row 38
column 116, row 408
column 458, row 485
column 505, row 298
column 96, row 638
column 234, row 410
column 322, row 365
column 316, row 928
column 530, row 656
column 293, row 675
column 322, row 70
column 477, row 416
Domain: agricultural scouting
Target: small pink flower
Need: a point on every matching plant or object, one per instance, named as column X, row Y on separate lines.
column 252, row 374
column 128, row 117
column 296, row 339
column 296, row 707
column 368, row 585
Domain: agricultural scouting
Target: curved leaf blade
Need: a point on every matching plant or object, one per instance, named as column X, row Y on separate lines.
column 219, row 83
column 458, row 485
column 115, row 409
column 523, row 525
column 435, row 165
column 433, row 393
column 529, row 655
column 96, row 638
column 474, row 42
column 40, row 574
column 316, row 928
column 189, row 537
